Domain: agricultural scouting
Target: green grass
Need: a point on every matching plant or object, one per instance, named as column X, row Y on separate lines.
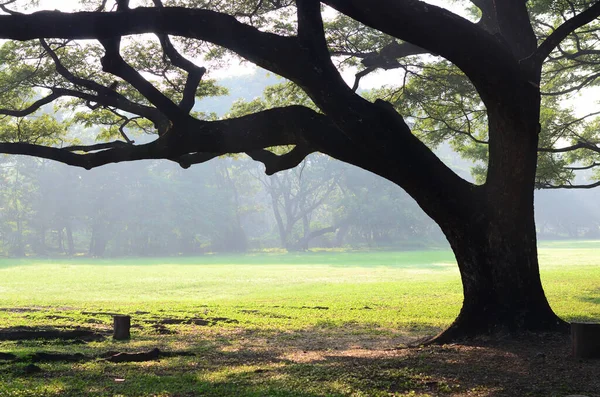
column 422, row 286
column 290, row 303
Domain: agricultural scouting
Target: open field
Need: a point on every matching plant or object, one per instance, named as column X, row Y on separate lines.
column 311, row 324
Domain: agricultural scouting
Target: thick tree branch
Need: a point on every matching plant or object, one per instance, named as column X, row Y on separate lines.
column 514, row 26
column 311, row 32
column 350, row 138
column 275, row 163
column 563, row 31
column 187, row 160
column 96, row 147
column 116, row 154
column 264, row 49
column 387, row 57
column 434, row 29
column 112, row 62
column 195, row 73
column 293, row 125
column 489, row 20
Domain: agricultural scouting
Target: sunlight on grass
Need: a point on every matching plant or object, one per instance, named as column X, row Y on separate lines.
column 277, row 324
column 385, row 288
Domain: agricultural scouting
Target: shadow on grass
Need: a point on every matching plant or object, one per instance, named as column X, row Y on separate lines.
column 313, row 362
column 590, row 299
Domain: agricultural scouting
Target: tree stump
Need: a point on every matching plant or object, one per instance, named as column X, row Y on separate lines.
column 585, row 338
column 122, row 325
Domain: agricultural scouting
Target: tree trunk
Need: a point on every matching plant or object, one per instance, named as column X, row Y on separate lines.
column 585, row 338
column 70, row 242
column 502, row 289
column 495, row 239
column 121, row 327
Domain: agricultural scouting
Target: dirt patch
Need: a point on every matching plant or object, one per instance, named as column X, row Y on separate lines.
column 534, row 366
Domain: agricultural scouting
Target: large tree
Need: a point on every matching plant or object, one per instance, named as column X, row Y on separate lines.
column 490, row 226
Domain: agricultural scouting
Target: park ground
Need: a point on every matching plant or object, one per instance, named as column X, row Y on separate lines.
column 311, row 324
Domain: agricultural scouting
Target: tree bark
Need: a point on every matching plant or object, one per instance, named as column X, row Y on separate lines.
column 122, row 325
column 502, row 289
column 586, row 340
column 495, row 241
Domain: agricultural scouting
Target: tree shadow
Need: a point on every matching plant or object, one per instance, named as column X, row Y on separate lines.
column 320, row 361
column 590, row 299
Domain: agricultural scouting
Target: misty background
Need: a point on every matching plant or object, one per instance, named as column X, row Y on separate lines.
column 155, row 208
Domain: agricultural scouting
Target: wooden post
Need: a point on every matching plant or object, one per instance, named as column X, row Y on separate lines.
column 585, row 338
column 122, row 324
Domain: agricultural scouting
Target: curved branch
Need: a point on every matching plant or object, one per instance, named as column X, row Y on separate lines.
column 578, row 87
column 6, row 10
column 106, row 96
column 275, row 163
column 267, row 50
column 360, row 75
column 195, row 73
column 568, row 27
column 386, row 58
column 116, row 154
column 98, row 146
column 403, row 159
column 33, row 107
column 568, row 186
column 434, row 29
column 587, row 167
column 199, row 141
column 187, row 160
column 579, row 145
column 113, row 62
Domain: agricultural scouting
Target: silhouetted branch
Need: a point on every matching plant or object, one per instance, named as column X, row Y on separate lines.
column 95, row 147
column 33, row 107
column 275, row 163
column 587, row 167
column 112, row 62
column 579, row 145
column 563, row 31
column 567, row 186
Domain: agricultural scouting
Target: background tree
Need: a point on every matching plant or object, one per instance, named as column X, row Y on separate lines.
column 508, row 57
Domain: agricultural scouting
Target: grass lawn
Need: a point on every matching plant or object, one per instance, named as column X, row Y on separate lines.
column 311, row 324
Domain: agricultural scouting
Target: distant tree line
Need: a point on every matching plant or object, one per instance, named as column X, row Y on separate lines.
column 227, row 205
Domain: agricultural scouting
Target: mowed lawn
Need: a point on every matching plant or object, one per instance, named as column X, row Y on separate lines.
column 387, row 289
column 305, row 325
